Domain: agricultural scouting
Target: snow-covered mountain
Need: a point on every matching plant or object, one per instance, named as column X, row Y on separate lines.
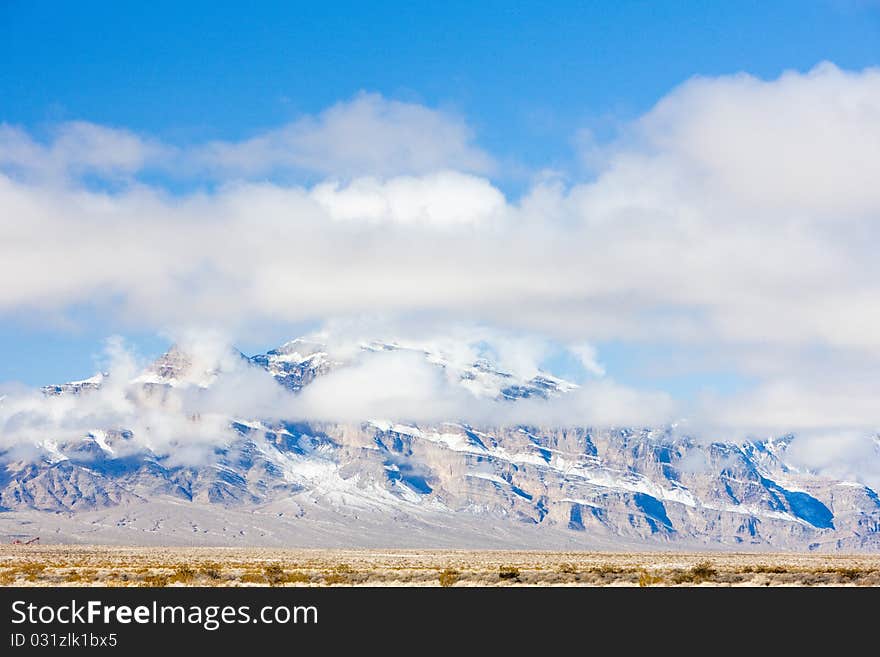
column 397, row 483
column 300, row 361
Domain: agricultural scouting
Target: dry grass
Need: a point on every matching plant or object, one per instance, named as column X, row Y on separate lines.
column 93, row 566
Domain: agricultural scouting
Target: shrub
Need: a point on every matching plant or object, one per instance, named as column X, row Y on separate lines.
column 183, row 574
column 776, row 570
column 211, row 572
column 297, row 578
column 508, row 572
column 606, row 569
column 274, row 574
column 448, row 577
column 32, row 571
column 701, row 572
column 341, row 574
column 850, row 574
column 252, row 578
column 647, row 579
column 157, row 580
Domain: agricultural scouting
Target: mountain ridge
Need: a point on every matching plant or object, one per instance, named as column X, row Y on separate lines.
column 574, row 485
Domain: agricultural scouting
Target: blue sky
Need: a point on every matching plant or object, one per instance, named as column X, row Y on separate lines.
column 527, row 78
column 526, row 75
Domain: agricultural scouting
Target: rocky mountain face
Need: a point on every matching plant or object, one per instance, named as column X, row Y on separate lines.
column 574, row 486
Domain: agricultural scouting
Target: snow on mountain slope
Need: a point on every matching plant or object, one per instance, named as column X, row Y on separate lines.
column 578, row 486
column 300, row 361
column 296, row 363
column 75, row 387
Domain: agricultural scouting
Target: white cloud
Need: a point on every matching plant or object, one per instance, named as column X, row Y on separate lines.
column 400, row 386
column 163, row 424
column 588, row 358
column 783, row 405
column 738, row 216
column 802, row 143
column 75, row 148
column 189, row 421
column 368, row 135
column 443, row 198
column 404, row 386
column 844, row 455
column 597, row 403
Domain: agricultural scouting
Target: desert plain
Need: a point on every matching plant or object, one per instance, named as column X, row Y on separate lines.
column 78, row 565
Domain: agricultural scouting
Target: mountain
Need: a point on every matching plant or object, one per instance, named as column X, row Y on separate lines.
column 384, row 482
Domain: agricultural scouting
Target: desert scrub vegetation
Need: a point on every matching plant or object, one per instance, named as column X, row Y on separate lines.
column 88, row 574
column 297, row 578
column 849, row 574
column 157, row 580
column 448, row 577
column 72, row 576
column 508, row 573
column 610, row 574
column 341, row 574
column 252, row 577
column 765, row 569
column 697, row 574
column 182, row 574
column 277, row 576
column 88, row 566
column 648, row 579
column 211, row 571
column 31, row 570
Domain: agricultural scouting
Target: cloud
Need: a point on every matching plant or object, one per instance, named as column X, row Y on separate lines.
column 597, row 403
column 443, row 198
column 77, row 148
column 738, row 217
column 801, row 143
column 30, row 419
column 843, row 455
column 188, row 422
column 368, row 135
column 405, row 387
column 398, row 386
column 794, row 406
column 588, row 358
